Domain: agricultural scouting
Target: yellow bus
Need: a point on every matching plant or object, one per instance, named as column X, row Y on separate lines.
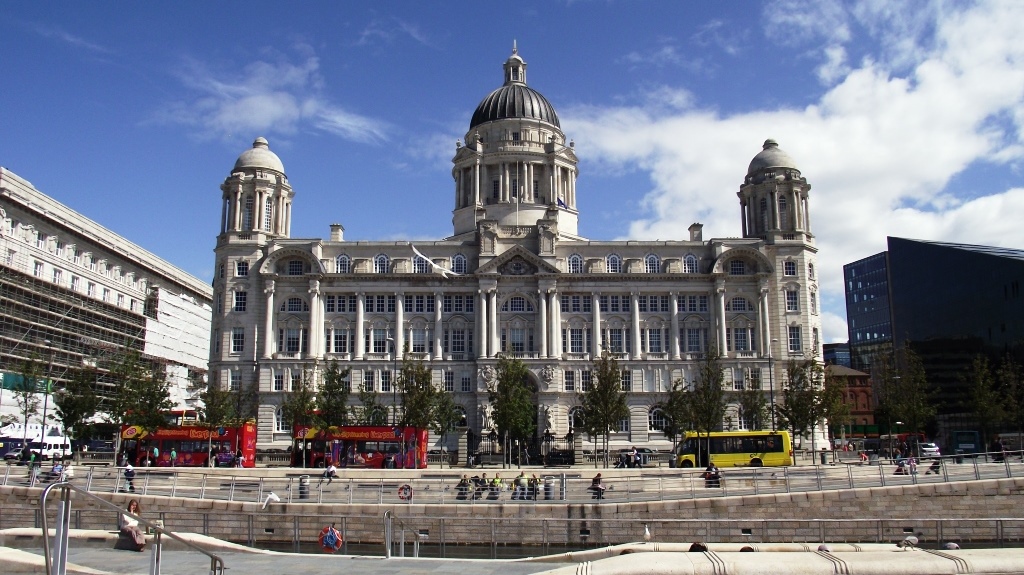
column 735, row 449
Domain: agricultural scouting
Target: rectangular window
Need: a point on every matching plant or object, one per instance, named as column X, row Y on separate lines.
column 794, row 338
column 570, row 381
column 467, row 384
column 737, row 268
column 329, row 304
column 235, row 382
column 703, row 304
column 368, row 380
column 38, row 270
column 421, row 304
column 693, row 340
column 296, row 382
column 120, row 300
column 216, row 341
column 495, row 189
column 449, row 381
column 565, row 304
column 385, row 380
column 626, row 380
column 292, row 338
column 737, row 379
column 603, row 303
column 278, row 382
column 446, row 304
column 391, row 304
column 341, row 341
column 469, row 304
column 430, row 304
column 792, row 300
column 380, row 340
column 419, row 341
column 641, row 304
column 588, row 302
column 654, row 340
column 586, row 378
column 789, row 268
column 814, row 302
column 106, row 294
column 740, row 339
column 353, row 303
column 75, row 283
column 241, row 268
column 665, row 303
column 458, row 340
column 240, row 299
column 575, row 340
column 616, row 341
column 58, row 275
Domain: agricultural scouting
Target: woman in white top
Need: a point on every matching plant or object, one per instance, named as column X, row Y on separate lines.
column 129, row 526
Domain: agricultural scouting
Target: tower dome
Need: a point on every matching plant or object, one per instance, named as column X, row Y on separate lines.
column 771, row 156
column 514, row 99
column 259, row 156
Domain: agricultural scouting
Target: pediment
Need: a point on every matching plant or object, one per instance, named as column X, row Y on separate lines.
column 518, row 261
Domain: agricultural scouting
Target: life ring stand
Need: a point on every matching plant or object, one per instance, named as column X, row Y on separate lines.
column 332, row 543
column 405, row 492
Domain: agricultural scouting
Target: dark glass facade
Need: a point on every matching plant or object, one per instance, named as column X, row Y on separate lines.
column 868, row 315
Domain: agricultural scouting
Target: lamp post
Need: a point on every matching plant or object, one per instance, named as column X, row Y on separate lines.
column 394, row 382
column 46, row 388
column 771, row 380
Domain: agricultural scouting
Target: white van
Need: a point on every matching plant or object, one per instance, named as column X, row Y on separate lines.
column 55, row 447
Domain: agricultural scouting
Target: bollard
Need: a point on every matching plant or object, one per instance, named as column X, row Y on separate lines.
column 304, row 487
column 824, row 454
column 959, row 456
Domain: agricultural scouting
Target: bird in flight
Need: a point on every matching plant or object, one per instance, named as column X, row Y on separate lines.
column 441, row 270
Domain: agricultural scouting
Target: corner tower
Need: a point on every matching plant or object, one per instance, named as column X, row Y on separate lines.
column 773, row 198
column 515, row 168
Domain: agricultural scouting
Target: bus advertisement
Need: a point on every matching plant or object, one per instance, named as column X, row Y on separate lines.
column 189, row 444
column 735, row 449
column 360, row 446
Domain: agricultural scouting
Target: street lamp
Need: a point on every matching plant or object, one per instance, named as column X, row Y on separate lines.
column 394, row 381
column 46, row 388
column 771, row 380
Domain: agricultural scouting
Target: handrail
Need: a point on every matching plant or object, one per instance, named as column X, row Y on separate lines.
column 216, row 563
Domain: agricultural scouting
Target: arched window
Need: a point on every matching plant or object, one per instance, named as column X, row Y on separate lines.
column 517, row 303
column 810, row 271
column 281, row 422
column 690, row 264
column 459, row 264
column 652, row 264
column 247, row 213
column 294, row 304
column 764, row 214
column 656, row 420
column 342, row 264
column 420, row 265
column 738, row 304
column 577, row 418
column 575, row 264
column 381, row 264
column 614, row 264
column 783, row 216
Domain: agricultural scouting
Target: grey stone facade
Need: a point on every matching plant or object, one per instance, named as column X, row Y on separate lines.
column 515, row 275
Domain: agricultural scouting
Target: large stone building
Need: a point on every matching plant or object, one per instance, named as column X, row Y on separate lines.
column 74, row 293
column 522, row 280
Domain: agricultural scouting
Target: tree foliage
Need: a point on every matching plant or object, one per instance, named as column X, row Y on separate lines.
column 447, row 416
column 1011, row 390
column 299, row 405
column 801, row 406
column 511, row 398
column 984, row 400
column 418, row 395
column 26, row 391
column 753, row 407
column 141, row 395
column 77, row 402
column 832, row 400
column 706, row 397
column 218, row 409
column 332, row 400
column 605, row 402
column 912, row 396
column 371, row 410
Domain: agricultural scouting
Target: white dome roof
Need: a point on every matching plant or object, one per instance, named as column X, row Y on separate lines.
column 259, row 156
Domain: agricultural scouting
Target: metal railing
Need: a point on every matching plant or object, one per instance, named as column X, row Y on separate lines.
column 58, row 565
column 441, row 486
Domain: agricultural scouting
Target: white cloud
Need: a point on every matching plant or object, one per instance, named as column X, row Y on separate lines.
column 267, row 96
column 58, row 33
column 880, row 148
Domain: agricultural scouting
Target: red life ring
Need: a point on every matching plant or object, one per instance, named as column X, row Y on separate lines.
column 405, row 492
column 330, row 539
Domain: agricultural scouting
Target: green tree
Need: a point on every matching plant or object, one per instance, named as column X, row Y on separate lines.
column 676, row 407
column 1011, row 388
column 913, row 401
column 447, row 416
column 706, row 397
column 752, row 406
column 371, row 411
column 418, row 395
column 832, row 401
column 218, row 410
column 299, row 405
column 26, row 390
column 605, row 402
column 801, row 409
column 332, row 400
column 141, row 396
column 984, row 399
column 511, row 398
column 77, row 402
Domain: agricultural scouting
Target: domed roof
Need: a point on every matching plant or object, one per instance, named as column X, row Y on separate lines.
column 259, row 156
column 770, row 157
column 514, row 99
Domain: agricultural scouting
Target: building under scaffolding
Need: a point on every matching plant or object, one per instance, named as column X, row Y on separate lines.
column 74, row 294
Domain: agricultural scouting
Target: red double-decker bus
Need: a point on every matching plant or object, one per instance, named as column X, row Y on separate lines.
column 360, row 446
column 190, row 441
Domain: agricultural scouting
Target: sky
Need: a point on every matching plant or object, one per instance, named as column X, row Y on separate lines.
column 905, row 117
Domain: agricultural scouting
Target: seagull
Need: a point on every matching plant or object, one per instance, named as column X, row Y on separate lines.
column 647, row 533
column 909, row 543
column 271, row 497
column 443, row 271
column 824, row 548
column 951, row 546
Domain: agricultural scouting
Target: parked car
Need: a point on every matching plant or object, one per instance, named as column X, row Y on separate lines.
column 929, row 451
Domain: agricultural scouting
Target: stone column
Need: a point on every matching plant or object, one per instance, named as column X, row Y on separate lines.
column 555, row 350
column 360, row 320
column 399, row 334
column 542, row 327
column 483, row 335
column 476, row 183
column 764, row 320
column 673, row 337
column 268, row 334
column 720, row 310
column 492, row 308
column 774, row 199
column 635, row 309
column 438, row 327
column 596, row 306
column 316, row 327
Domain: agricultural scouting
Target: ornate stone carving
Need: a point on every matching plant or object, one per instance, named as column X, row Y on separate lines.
column 517, row 266
column 547, row 374
column 487, row 375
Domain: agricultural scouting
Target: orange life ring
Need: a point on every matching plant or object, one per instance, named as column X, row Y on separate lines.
column 405, row 492
column 330, row 539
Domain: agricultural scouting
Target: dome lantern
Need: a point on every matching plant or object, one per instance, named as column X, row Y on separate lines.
column 514, row 99
column 259, row 156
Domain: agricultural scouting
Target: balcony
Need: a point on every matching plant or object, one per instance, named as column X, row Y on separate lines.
column 339, row 356
column 524, row 355
column 577, row 357
column 656, row 355
column 746, row 354
column 377, row 356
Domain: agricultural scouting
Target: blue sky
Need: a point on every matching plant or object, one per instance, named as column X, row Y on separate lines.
column 905, row 117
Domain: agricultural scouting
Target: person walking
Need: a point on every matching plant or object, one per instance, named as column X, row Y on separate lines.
column 129, row 477
column 174, row 456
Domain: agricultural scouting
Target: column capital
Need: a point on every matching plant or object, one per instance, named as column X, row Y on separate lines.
column 314, row 287
column 268, row 287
